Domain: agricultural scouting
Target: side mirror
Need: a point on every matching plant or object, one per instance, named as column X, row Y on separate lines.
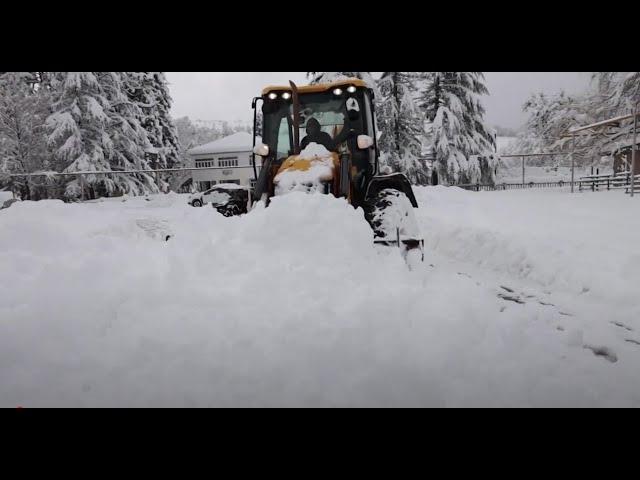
column 261, row 149
column 364, row 142
column 353, row 109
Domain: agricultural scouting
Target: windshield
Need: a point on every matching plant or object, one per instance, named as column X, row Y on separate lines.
column 322, row 120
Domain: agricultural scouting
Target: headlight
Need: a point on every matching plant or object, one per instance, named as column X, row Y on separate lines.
column 351, row 89
column 337, row 91
column 286, row 95
column 273, row 96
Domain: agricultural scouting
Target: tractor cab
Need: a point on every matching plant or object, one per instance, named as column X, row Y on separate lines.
column 318, row 137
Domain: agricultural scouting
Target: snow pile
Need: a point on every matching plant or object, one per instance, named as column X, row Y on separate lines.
column 4, row 196
column 307, row 171
column 314, row 150
column 291, row 305
column 549, row 236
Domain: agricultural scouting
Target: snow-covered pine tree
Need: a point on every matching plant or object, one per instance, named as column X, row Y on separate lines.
column 39, row 80
column 130, row 139
column 451, row 102
column 149, row 92
column 95, row 127
column 400, row 124
column 23, row 112
column 78, row 126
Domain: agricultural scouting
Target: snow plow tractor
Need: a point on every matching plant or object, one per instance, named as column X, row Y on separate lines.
column 322, row 138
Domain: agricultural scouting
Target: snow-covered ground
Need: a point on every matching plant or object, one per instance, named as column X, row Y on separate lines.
column 525, row 298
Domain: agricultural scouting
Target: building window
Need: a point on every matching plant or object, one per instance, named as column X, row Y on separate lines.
column 206, row 185
column 253, row 183
column 228, row 162
column 204, row 163
column 237, row 182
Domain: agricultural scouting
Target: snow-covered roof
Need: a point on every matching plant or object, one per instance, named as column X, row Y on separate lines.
column 238, row 142
column 230, row 186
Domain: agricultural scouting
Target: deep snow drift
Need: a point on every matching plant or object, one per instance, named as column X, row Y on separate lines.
column 525, row 298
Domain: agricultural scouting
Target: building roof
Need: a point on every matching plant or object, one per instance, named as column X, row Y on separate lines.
column 238, row 142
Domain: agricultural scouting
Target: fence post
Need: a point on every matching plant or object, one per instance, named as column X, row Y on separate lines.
column 81, row 181
column 523, row 171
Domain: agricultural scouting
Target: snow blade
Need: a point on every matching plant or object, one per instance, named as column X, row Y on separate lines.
column 391, row 216
column 395, row 181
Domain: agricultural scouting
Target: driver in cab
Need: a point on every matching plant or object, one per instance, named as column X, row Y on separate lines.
column 316, row 135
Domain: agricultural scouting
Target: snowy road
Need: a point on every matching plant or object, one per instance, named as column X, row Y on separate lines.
column 526, row 298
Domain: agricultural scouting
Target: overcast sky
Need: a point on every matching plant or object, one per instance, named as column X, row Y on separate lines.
column 227, row 95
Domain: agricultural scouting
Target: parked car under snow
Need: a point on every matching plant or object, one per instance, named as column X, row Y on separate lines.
column 228, row 198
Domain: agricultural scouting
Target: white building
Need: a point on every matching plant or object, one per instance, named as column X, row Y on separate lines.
column 227, row 160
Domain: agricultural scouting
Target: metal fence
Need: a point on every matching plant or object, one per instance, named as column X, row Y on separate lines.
column 590, row 182
column 477, row 187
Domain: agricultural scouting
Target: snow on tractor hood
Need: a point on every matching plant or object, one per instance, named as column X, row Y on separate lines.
column 307, row 171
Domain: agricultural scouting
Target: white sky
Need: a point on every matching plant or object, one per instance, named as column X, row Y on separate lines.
column 227, row 95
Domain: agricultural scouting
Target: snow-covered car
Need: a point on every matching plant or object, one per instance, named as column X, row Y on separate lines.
column 228, row 198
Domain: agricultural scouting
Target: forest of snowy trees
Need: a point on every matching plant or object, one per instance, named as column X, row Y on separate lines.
column 611, row 94
column 85, row 122
column 429, row 123
column 68, row 122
